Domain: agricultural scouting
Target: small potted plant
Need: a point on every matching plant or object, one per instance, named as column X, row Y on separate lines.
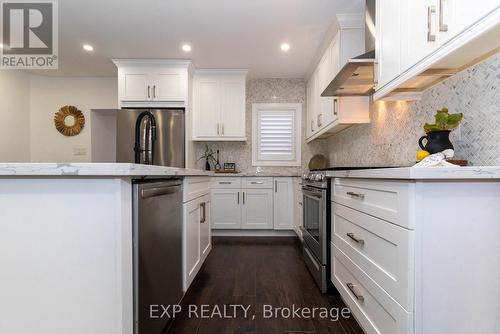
column 438, row 134
column 208, row 155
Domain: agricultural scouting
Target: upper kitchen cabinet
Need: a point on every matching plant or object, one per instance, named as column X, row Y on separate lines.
column 421, row 42
column 328, row 115
column 152, row 83
column 219, row 105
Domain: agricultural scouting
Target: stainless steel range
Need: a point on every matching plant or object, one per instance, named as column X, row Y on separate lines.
column 316, row 229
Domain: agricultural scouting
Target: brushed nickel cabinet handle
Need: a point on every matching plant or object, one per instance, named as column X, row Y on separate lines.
column 356, row 195
column 238, row 197
column 312, row 126
column 243, row 197
column 204, row 212
column 154, row 92
column 257, row 182
column 225, row 182
column 356, row 294
column 275, row 186
column 149, row 92
column 222, row 129
column 357, row 240
column 335, row 106
column 442, row 25
column 430, row 37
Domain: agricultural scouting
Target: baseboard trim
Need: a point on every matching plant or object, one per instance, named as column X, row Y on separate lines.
column 254, row 233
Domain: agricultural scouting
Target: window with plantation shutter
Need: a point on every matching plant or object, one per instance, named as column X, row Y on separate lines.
column 276, row 133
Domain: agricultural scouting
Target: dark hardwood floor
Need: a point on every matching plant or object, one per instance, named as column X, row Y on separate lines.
column 256, row 272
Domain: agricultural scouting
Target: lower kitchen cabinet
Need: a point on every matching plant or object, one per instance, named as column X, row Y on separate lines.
column 253, row 203
column 197, row 235
column 257, row 209
column 226, row 210
column 405, row 261
column 283, row 203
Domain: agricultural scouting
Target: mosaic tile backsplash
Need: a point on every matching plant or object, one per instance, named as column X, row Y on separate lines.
column 392, row 137
column 266, row 91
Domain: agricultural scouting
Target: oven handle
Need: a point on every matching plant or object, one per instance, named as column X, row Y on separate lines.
column 313, row 192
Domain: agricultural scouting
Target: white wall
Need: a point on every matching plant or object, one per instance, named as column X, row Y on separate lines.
column 47, row 95
column 14, row 116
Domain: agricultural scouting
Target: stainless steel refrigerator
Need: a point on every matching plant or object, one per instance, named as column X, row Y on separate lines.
column 151, row 136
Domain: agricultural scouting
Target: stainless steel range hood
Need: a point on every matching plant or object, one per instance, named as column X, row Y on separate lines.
column 356, row 78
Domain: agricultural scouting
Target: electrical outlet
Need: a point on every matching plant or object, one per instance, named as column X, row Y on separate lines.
column 79, row 151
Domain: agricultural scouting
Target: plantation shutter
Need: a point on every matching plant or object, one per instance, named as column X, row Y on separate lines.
column 276, row 135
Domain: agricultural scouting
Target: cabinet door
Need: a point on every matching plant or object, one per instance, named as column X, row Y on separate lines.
column 457, row 15
column 134, row 85
column 257, row 209
column 233, row 107
column 325, row 75
column 422, row 35
column 169, row 84
column 283, row 203
column 226, row 209
column 192, row 260
column 205, row 228
column 388, row 44
column 206, row 108
column 310, row 108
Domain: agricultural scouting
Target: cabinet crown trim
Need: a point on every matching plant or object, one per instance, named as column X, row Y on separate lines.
column 351, row 21
column 132, row 61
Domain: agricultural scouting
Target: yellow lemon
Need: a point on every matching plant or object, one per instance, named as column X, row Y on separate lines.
column 422, row 154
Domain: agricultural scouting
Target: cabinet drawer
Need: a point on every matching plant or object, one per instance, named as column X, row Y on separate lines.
column 258, row 182
column 195, row 187
column 375, row 311
column 226, row 182
column 384, row 251
column 388, row 200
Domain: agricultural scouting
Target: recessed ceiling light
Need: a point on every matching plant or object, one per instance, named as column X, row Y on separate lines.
column 285, row 47
column 88, row 47
column 186, row 48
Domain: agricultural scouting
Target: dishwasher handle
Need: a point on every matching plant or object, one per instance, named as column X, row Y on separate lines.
column 160, row 191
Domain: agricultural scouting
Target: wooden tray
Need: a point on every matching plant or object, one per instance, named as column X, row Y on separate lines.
column 222, row 171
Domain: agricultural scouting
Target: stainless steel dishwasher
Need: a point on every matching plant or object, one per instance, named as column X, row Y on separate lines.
column 157, row 233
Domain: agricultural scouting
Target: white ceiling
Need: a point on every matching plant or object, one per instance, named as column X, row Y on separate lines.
column 223, row 33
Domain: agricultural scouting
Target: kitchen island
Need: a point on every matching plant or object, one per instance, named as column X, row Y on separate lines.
column 66, row 245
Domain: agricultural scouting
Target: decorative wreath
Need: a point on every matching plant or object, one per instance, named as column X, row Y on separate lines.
column 69, row 121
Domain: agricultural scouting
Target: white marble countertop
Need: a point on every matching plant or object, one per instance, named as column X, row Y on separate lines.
column 94, row 169
column 420, row 173
column 243, row 174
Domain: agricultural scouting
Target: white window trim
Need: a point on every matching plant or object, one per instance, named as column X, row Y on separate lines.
column 297, row 108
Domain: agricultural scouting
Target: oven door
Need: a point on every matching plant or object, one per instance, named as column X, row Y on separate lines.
column 314, row 231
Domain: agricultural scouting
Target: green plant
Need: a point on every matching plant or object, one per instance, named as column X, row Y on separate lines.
column 208, row 155
column 444, row 121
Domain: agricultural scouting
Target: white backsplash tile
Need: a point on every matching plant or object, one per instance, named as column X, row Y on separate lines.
column 392, row 137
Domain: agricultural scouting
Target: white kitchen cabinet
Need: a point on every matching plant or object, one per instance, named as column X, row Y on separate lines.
column 219, row 105
column 388, row 42
column 152, row 83
column 420, row 19
column 421, row 42
column 197, row 235
column 257, row 209
column 192, row 260
column 226, row 209
column 205, row 227
column 283, row 203
column 324, row 113
column 298, row 206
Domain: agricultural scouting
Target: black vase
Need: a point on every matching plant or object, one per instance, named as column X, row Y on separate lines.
column 437, row 141
column 207, row 165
